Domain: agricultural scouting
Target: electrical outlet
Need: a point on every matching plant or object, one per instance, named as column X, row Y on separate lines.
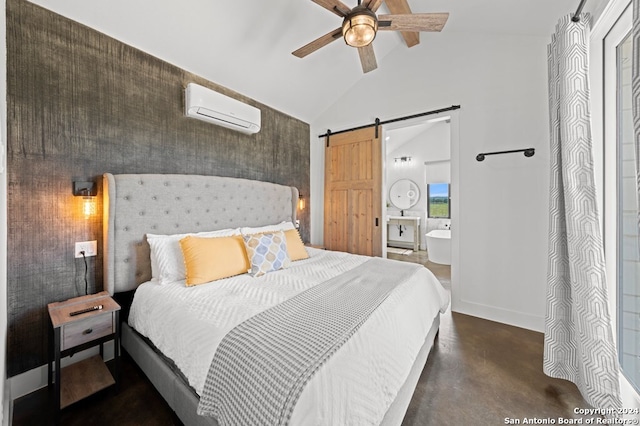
column 297, row 225
column 90, row 248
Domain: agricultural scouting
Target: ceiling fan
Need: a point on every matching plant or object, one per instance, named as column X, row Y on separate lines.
column 360, row 25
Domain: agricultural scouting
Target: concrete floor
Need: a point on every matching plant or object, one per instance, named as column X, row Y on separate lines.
column 486, row 373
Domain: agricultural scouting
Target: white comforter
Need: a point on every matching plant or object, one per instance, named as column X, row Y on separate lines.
column 356, row 386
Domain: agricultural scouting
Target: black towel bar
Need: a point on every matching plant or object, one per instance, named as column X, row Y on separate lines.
column 528, row 152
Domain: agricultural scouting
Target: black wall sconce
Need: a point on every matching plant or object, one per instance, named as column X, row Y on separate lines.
column 402, row 160
column 87, row 190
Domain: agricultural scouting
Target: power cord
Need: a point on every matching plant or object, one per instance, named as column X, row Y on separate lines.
column 86, row 269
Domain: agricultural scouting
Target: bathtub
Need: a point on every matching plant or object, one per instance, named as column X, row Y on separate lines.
column 439, row 246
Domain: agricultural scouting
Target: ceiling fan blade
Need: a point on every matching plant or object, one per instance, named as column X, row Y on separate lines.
column 318, row 43
column 401, row 7
column 373, row 5
column 413, row 22
column 335, row 6
column 367, row 58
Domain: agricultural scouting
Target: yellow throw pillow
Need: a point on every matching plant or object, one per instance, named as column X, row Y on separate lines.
column 210, row 259
column 295, row 246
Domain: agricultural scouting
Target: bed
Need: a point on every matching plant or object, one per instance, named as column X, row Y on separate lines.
column 368, row 379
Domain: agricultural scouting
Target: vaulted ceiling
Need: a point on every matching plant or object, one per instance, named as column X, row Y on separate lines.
column 246, row 45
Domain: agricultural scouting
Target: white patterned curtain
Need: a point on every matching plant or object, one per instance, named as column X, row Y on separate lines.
column 578, row 341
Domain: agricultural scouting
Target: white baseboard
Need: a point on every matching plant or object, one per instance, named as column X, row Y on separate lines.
column 37, row 378
column 492, row 313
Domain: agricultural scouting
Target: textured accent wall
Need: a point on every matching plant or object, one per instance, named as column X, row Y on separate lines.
column 79, row 104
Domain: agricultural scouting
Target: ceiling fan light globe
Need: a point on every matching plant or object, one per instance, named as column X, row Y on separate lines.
column 359, row 29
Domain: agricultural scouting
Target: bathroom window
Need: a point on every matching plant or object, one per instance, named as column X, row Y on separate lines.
column 438, row 200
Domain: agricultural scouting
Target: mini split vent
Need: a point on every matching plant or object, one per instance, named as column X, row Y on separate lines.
column 213, row 107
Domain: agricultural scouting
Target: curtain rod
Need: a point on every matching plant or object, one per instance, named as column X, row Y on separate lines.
column 576, row 16
column 378, row 122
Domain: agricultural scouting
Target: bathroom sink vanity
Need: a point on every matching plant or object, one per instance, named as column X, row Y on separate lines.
column 412, row 221
column 403, row 195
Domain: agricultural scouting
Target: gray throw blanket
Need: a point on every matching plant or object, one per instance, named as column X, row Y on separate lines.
column 261, row 366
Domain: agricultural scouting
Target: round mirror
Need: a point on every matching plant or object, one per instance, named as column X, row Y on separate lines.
column 404, row 194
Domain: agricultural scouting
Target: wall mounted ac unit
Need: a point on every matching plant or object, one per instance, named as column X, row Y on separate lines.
column 208, row 105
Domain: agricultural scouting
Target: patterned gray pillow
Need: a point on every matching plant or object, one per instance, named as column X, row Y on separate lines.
column 267, row 252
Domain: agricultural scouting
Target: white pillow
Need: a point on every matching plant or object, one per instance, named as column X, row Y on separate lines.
column 167, row 261
column 282, row 226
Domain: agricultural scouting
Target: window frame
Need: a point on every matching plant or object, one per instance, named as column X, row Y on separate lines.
column 604, row 134
column 448, row 200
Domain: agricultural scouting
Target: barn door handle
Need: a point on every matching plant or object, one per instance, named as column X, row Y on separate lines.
column 376, row 221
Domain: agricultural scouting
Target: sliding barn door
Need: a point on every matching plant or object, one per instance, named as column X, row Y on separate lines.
column 353, row 192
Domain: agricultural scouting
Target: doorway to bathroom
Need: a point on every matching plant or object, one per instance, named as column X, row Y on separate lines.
column 418, row 185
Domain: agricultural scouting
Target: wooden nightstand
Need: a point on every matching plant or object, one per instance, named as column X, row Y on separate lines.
column 73, row 333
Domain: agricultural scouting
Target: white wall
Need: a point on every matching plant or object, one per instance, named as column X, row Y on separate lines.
column 501, row 84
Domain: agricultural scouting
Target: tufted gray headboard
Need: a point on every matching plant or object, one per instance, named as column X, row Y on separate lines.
column 135, row 205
